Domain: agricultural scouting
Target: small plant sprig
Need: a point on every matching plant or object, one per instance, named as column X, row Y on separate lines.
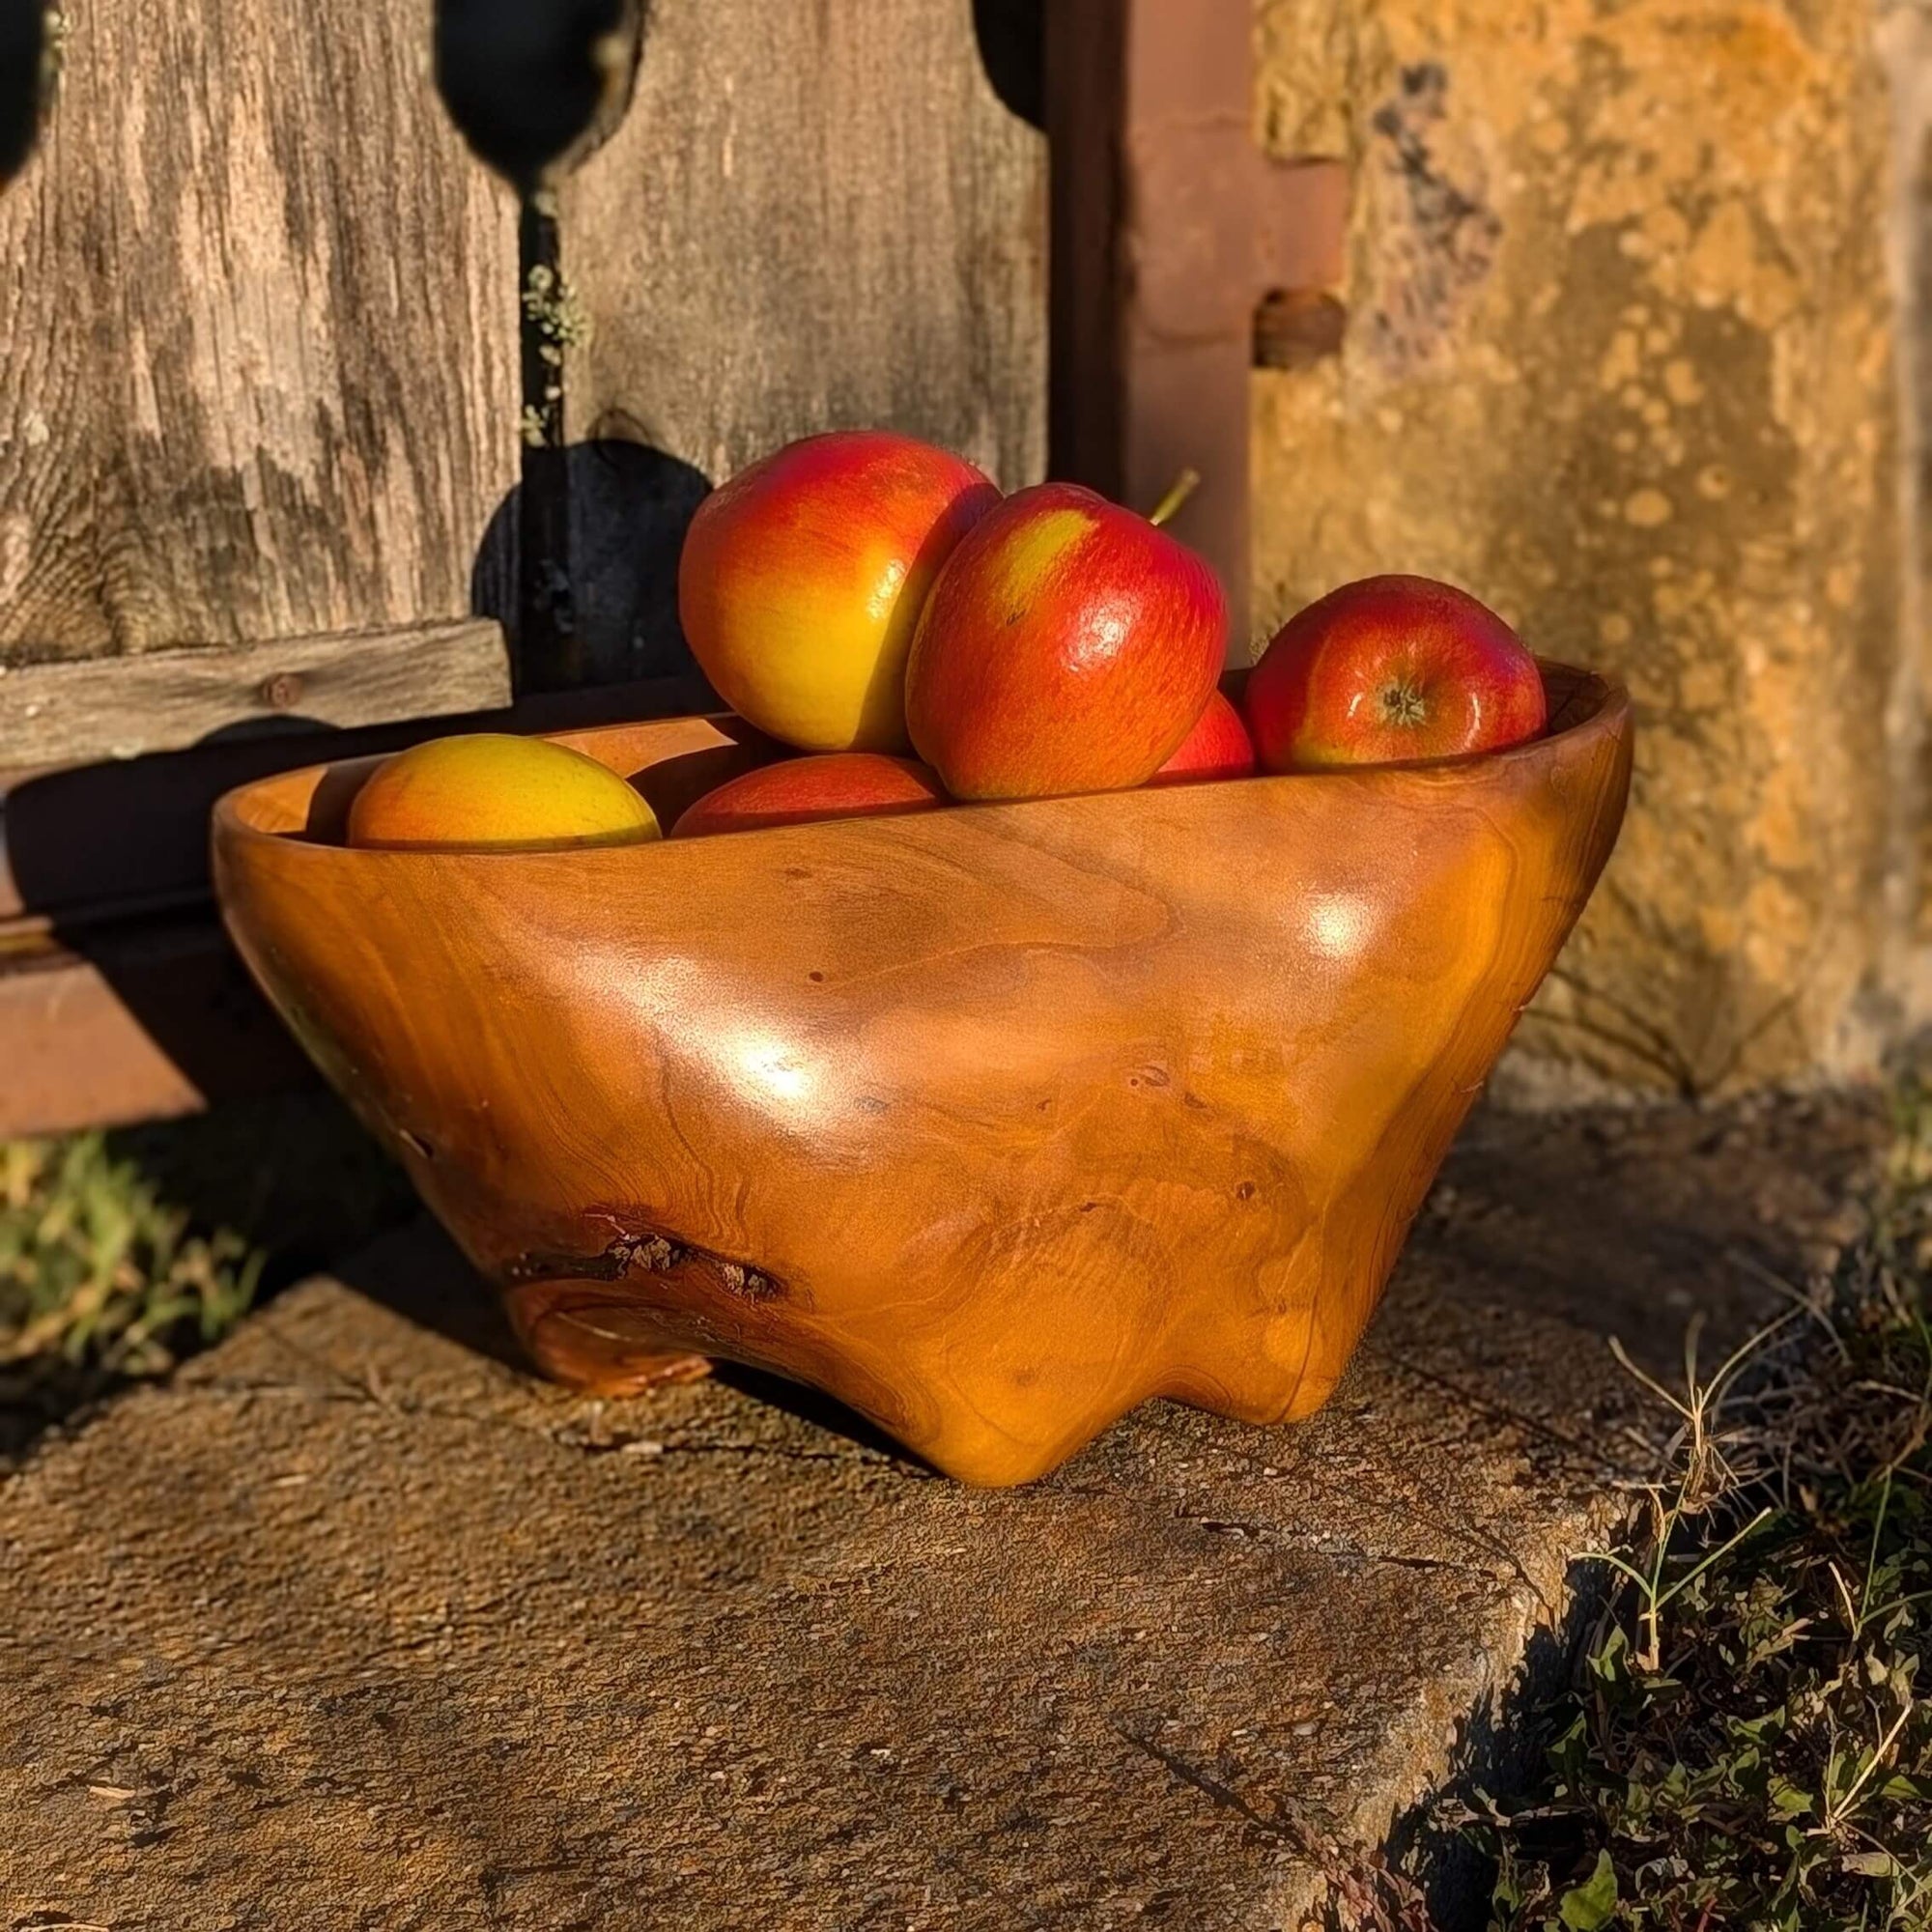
column 97, row 1269
column 561, row 324
column 1704, row 1477
column 55, row 31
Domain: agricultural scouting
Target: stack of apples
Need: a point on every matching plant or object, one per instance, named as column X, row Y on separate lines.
column 877, row 605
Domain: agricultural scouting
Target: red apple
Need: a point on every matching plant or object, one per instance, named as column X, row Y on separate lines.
column 1069, row 645
column 1390, row 669
column 1217, row 748
column 802, row 579
column 838, row 784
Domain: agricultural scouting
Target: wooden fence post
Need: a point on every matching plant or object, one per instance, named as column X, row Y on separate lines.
column 1168, row 229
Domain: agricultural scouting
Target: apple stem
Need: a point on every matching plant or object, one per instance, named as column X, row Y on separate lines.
column 1178, row 491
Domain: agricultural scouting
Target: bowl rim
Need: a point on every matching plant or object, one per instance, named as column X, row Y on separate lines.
column 1589, row 703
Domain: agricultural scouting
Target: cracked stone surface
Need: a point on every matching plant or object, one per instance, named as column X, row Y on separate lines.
column 353, row 1624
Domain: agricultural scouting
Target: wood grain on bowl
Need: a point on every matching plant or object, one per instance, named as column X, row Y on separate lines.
column 992, row 1122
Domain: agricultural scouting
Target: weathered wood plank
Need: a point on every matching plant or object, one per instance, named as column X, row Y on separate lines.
column 813, row 216
column 259, row 309
column 121, row 707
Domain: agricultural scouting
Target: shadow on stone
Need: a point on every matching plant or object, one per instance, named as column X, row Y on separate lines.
column 443, row 1294
column 1498, row 1753
column 821, row 1410
column 1626, row 1222
column 440, row 1292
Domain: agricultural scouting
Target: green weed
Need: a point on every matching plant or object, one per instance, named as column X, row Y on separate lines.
column 1749, row 1744
column 94, row 1266
column 122, row 1253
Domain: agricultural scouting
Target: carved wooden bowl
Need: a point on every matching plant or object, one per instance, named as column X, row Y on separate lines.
column 992, row 1122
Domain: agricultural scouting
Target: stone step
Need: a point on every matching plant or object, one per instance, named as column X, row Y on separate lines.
column 353, row 1624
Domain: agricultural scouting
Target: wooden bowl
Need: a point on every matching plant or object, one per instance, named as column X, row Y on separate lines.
column 992, row 1122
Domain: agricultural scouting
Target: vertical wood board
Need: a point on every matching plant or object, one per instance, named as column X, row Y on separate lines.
column 259, row 320
column 813, row 216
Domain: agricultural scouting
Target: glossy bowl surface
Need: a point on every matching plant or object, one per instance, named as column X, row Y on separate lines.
column 992, row 1122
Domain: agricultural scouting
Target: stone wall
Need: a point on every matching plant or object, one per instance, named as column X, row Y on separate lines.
column 1621, row 359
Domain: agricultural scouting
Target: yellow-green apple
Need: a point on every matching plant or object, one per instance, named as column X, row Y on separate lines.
column 1389, row 669
column 1069, row 645
column 487, row 789
column 834, row 785
column 802, row 579
column 1217, row 748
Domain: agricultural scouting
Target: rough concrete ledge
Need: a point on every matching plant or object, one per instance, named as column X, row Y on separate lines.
column 354, row 1624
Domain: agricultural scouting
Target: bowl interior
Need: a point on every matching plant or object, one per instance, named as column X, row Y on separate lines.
column 674, row 761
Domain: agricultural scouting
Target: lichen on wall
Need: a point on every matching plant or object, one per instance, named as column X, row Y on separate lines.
column 1620, row 360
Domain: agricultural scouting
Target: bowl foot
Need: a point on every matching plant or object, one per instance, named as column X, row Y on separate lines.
column 586, row 1336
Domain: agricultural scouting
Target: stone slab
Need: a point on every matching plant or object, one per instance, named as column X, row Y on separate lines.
column 354, row 1624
